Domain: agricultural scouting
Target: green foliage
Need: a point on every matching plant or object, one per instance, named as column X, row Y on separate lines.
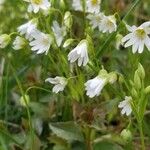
column 33, row 117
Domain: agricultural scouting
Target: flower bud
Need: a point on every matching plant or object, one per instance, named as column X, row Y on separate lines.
column 137, row 81
column 141, row 71
column 119, row 41
column 62, row 4
column 147, row 90
column 131, row 82
column 134, row 92
column 68, row 42
column 4, row 40
column 24, row 100
column 121, row 79
column 126, row 135
column 112, row 77
column 68, row 19
column 19, row 43
column 103, row 72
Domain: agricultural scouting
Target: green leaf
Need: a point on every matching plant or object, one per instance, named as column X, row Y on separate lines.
column 69, row 131
column 106, row 146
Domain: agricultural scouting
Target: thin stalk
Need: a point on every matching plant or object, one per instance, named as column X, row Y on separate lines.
column 6, row 91
column 88, row 132
column 25, row 100
column 36, row 87
column 141, row 134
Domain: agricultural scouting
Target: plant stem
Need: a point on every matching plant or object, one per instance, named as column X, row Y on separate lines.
column 88, row 139
column 141, row 134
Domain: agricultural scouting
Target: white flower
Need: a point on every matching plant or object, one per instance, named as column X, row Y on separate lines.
column 4, row 40
column 94, row 86
column 2, row 2
column 138, row 37
column 19, row 43
column 59, row 32
column 95, row 19
column 80, row 53
column 77, row 5
column 2, row 5
column 93, row 6
column 28, row 29
column 107, row 24
column 36, row 5
column 126, row 106
column 59, row 82
column 41, row 42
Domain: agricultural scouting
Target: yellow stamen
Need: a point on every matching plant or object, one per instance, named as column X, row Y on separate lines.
column 140, row 33
column 109, row 23
column 45, row 41
column 94, row 2
column 37, row 2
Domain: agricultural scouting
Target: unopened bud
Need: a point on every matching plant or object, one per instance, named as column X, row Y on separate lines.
column 112, row 77
column 137, row 80
column 4, row 40
column 68, row 19
column 141, row 71
column 126, row 135
column 103, row 72
column 62, row 4
column 24, row 100
column 121, row 79
column 119, row 41
column 68, row 42
column 19, row 43
column 147, row 90
column 134, row 92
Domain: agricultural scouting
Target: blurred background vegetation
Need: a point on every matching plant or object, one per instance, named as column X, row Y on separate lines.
column 69, row 120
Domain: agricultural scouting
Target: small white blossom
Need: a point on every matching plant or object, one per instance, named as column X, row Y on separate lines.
column 41, row 42
column 59, row 32
column 138, row 37
column 2, row 2
column 19, row 43
column 4, row 40
column 59, row 82
column 28, row 28
column 77, row 5
column 107, row 24
column 80, row 53
column 93, row 6
column 126, row 106
column 36, row 5
column 94, row 86
column 95, row 19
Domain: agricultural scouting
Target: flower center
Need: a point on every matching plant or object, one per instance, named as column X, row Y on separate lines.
column 109, row 23
column 37, row 2
column 94, row 2
column 98, row 18
column 45, row 41
column 140, row 33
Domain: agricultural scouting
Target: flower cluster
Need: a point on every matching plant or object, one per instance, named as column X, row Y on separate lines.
column 41, row 40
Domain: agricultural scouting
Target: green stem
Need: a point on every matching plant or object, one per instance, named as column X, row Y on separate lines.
column 36, row 87
column 141, row 134
column 88, row 139
column 6, row 92
column 25, row 100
